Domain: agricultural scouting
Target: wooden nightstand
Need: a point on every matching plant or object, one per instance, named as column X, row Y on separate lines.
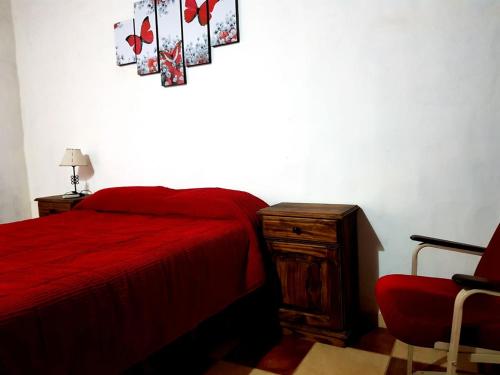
column 56, row 204
column 314, row 250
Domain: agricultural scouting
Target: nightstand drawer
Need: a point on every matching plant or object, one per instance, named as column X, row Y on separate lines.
column 56, row 204
column 50, row 211
column 301, row 229
column 56, row 207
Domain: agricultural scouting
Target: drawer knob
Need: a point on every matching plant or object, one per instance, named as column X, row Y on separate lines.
column 296, row 230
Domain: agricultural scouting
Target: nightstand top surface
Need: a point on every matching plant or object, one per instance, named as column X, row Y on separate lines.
column 57, row 198
column 309, row 210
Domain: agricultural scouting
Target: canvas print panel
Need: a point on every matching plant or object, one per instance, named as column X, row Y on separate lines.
column 124, row 51
column 224, row 28
column 145, row 40
column 171, row 49
column 195, row 23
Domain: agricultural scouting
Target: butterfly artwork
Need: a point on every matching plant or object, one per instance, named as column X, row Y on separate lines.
column 137, row 41
column 124, row 54
column 172, row 64
column 166, row 36
column 145, row 44
column 196, row 31
column 171, row 46
column 224, row 23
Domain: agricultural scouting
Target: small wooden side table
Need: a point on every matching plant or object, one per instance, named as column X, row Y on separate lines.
column 56, row 204
column 314, row 251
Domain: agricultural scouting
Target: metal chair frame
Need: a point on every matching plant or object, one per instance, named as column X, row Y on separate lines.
column 453, row 347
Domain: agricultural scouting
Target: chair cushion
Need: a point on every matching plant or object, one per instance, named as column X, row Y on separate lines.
column 418, row 311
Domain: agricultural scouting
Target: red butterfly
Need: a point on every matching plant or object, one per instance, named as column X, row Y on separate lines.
column 172, row 58
column 172, row 70
column 147, row 37
column 204, row 12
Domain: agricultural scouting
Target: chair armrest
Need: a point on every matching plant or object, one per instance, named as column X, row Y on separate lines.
column 449, row 244
column 443, row 245
column 475, row 282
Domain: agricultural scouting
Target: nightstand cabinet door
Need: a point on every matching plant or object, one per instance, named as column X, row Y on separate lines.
column 309, row 279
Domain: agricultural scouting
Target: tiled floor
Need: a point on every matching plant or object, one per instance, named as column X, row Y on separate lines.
column 376, row 353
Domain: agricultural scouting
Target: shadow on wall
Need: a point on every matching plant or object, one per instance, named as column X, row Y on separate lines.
column 86, row 172
column 368, row 247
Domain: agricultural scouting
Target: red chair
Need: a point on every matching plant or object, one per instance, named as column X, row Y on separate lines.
column 459, row 314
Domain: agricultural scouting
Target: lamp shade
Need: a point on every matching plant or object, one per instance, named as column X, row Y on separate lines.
column 73, row 157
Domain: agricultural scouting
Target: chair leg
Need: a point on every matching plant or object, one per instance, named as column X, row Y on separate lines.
column 456, row 327
column 409, row 361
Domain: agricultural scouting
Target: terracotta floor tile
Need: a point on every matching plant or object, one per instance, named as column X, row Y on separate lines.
column 325, row 359
column 489, row 369
column 221, row 350
column 379, row 341
column 286, row 356
column 226, row 368
column 249, row 353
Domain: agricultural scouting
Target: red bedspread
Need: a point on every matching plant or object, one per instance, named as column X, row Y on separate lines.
column 101, row 287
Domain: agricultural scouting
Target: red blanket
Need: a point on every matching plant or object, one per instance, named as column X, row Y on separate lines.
column 101, row 287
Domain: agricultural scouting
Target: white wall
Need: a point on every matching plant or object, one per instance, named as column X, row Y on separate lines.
column 392, row 105
column 14, row 196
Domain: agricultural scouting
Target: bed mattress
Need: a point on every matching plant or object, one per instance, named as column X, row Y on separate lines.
column 101, row 287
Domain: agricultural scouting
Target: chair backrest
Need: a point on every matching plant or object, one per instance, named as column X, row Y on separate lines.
column 489, row 266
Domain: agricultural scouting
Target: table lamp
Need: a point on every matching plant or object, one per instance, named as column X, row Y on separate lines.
column 73, row 157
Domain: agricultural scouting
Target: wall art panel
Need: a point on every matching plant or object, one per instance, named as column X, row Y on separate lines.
column 145, row 42
column 196, row 32
column 224, row 23
column 171, row 48
column 124, row 51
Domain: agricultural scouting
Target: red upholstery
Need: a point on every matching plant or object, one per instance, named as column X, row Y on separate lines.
column 418, row 310
column 489, row 266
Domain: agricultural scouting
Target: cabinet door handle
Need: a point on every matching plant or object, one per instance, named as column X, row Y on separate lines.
column 296, row 230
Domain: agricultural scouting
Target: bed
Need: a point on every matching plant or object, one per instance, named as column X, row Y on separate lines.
column 99, row 288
